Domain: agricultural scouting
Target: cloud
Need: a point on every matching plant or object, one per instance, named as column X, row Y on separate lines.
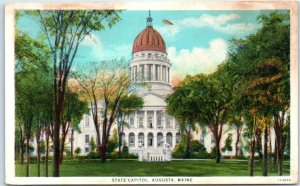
column 222, row 23
column 197, row 60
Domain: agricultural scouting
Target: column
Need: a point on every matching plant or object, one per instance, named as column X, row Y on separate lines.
column 168, row 75
column 138, row 76
column 153, row 72
column 146, row 72
column 160, row 72
column 145, row 119
column 154, row 120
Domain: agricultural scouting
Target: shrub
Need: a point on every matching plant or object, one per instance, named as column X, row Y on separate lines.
column 77, row 151
column 198, row 150
column 93, row 155
column 213, row 153
column 178, row 151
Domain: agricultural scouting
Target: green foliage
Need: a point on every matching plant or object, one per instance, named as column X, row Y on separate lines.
column 197, row 151
column 213, row 153
column 42, row 147
column 228, row 144
column 77, row 150
column 113, row 142
column 93, row 155
column 93, row 144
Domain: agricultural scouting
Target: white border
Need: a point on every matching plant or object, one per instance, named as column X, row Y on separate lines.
column 10, row 90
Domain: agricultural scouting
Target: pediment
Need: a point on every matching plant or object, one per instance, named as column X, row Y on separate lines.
column 151, row 99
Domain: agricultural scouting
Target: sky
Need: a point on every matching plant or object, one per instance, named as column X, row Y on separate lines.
column 197, row 42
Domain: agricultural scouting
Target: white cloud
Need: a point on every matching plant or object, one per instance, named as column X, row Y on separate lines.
column 198, row 60
column 220, row 23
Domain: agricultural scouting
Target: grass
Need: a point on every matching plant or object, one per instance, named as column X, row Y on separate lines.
column 173, row 168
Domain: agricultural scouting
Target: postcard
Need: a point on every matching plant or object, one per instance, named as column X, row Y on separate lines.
column 151, row 93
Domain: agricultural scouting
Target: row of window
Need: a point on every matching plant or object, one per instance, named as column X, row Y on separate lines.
column 150, row 137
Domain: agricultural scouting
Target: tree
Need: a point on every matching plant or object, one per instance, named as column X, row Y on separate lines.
column 31, row 68
column 65, row 30
column 128, row 104
column 77, row 151
column 106, row 83
column 261, row 66
column 73, row 110
column 182, row 105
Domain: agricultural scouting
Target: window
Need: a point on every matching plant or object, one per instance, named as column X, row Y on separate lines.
column 150, row 140
column 131, row 140
column 159, row 139
column 87, row 121
column 169, row 138
column 131, row 121
column 87, row 139
column 158, row 120
column 168, row 121
column 177, row 137
column 141, row 121
column 141, row 138
column 150, row 125
column 86, row 149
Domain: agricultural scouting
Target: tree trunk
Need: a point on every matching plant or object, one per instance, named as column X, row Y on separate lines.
column 103, row 153
column 98, row 139
column 56, row 143
column 28, row 157
column 275, row 153
column 38, row 159
column 237, row 144
column 187, row 150
column 47, row 151
column 22, row 149
column 218, row 151
column 120, row 141
column 265, row 171
column 252, row 157
column 259, row 146
column 72, row 147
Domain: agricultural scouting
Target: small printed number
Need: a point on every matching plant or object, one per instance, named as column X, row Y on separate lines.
column 284, row 179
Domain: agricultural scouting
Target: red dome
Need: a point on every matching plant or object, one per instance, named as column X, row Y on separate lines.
column 149, row 40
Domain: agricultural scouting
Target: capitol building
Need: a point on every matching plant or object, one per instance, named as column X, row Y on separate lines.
column 150, row 129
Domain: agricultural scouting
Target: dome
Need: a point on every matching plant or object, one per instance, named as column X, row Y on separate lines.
column 149, row 40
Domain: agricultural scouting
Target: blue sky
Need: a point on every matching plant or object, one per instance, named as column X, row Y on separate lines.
column 196, row 42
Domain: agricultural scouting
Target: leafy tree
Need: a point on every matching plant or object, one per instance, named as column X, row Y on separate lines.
column 228, row 144
column 73, row 110
column 108, row 82
column 261, row 65
column 64, row 31
column 128, row 104
column 31, row 85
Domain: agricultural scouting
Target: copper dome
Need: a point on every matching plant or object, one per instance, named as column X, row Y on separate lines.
column 149, row 40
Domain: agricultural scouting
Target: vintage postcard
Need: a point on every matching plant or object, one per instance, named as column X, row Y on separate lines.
column 151, row 93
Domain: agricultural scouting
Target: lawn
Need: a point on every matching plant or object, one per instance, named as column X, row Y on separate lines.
column 173, row 168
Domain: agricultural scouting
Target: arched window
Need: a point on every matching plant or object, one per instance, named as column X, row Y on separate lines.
column 141, row 137
column 150, row 139
column 123, row 139
column 177, row 137
column 169, row 138
column 159, row 138
column 131, row 139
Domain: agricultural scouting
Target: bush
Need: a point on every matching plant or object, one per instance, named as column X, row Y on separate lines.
column 77, row 151
column 178, row 151
column 198, row 150
column 93, row 155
